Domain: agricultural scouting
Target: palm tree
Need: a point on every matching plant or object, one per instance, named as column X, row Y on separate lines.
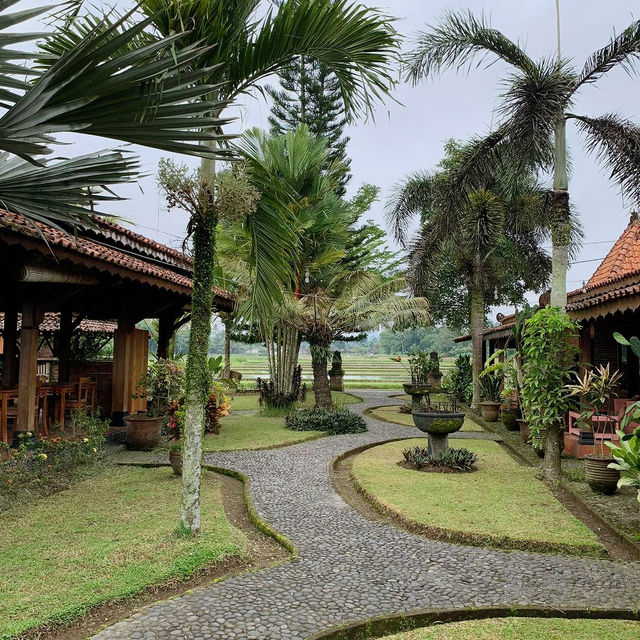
column 356, row 43
column 538, row 102
column 352, row 302
column 487, row 251
column 106, row 84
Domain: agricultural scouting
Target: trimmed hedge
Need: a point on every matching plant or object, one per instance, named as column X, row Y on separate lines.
column 333, row 421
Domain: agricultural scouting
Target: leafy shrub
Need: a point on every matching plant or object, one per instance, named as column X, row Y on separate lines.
column 453, row 459
column 334, row 421
column 37, row 463
column 490, row 382
column 274, row 399
column 460, row 379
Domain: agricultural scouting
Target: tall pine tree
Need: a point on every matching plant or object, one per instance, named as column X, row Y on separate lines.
column 309, row 93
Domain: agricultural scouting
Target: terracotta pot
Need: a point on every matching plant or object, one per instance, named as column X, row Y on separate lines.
column 599, row 477
column 490, row 411
column 510, row 417
column 524, row 430
column 175, row 458
column 143, row 432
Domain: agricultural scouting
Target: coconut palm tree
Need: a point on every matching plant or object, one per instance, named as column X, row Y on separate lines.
column 108, row 84
column 539, row 100
column 488, row 251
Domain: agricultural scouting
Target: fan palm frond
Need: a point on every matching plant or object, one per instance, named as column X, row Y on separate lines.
column 64, row 191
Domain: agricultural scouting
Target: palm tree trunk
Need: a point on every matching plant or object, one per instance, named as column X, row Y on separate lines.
column 227, row 348
column 560, row 231
column 196, row 375
column 197, row 390
column 321, row 388
column 477, row 322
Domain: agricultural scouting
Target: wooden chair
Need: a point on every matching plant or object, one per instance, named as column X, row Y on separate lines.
column 81, row 398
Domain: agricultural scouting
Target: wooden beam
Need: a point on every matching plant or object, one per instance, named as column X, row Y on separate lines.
column 166, row 323
column 121, row 371
column 31, row 319
column 10, row 348
column 64, row 345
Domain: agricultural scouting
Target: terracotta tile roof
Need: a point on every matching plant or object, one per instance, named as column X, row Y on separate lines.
column 51, row 322
column 623, row 259
column 109, row 244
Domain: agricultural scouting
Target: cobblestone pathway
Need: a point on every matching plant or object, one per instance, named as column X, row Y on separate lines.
column 351, row 568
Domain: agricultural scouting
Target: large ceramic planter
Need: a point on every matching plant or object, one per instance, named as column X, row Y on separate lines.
column 416, row 391
column 598, row 475
column 438, row 425
column 490, row 411
column 175, row 459
column 143, row 432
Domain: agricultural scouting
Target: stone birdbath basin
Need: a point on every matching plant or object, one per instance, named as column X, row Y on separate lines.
column 417, row 391
column 438, row 424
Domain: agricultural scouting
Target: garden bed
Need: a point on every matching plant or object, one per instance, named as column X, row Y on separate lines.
column 104, row 540
column 525, row 629
column 501, row 505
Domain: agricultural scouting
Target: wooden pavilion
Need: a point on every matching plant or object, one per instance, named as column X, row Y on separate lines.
column 105, row 278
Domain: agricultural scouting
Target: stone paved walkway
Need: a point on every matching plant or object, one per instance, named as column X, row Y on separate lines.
column 351, row 568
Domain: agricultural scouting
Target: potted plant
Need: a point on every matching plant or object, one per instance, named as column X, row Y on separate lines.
column 596, row 388
column 503, row 364
column 626, row 453
column 162, row 383
column 419, row 367
column 438, row 420
column 490, row 382
column 461, row 378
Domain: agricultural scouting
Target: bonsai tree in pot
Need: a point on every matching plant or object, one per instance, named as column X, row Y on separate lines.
column 163, row 382
column 438, row 420
column 595, row 389
column 490, row 383
column 419, row 368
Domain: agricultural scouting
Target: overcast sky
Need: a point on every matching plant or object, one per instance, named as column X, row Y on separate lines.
column 409, row 136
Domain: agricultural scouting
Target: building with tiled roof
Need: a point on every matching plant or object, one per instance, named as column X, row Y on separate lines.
column 100, row 280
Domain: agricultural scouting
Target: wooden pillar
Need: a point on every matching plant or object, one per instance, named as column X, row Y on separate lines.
column 64, row 346
column 10, row 348
column 121, row 371
column 166, row 323
column 28, row 366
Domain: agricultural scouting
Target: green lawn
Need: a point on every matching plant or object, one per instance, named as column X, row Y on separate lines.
column 526, row 629
column 249, row 401
column 102, row 540
column 255, row 431
column 392, row 414
column 501, row 504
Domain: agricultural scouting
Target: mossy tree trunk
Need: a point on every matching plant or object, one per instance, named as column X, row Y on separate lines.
column 321, row 387
column 197, row 379
column 554, row 443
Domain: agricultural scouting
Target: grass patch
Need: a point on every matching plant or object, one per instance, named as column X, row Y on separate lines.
column 501, row 504
column 255, row 431
column 392, row 414
column 526, row 629
column 249, row 402
column 103, row 540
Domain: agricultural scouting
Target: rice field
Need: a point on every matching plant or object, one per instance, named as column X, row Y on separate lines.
column 365, row 371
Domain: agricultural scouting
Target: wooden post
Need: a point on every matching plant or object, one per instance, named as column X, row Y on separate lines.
column 166, row 323
column 10, row 347
column 64, row 345
column 28, row 366
column 121, row 371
